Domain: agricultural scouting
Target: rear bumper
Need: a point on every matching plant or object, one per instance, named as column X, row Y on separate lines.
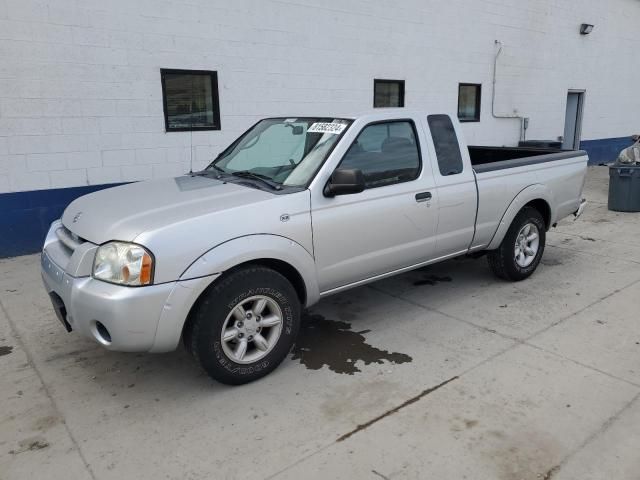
column 143, row 319
column 580, row 211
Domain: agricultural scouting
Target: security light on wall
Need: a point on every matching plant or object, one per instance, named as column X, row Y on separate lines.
column 586, row 29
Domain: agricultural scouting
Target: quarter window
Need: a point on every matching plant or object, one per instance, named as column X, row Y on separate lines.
column 469, row 95
column 446, row 144
column 190, row 100
column 387, row 153
column 388, row 93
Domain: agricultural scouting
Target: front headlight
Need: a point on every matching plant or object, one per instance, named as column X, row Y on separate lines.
column 124, row 264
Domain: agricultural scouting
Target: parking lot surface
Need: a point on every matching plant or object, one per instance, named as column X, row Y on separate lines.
column 444, row 372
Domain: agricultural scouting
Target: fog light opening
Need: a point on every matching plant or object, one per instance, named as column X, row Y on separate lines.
column 102, row 334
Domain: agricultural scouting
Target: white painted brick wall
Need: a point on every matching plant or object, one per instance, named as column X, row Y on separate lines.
column 81, row 99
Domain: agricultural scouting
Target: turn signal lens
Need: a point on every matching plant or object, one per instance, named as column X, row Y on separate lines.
column 145, row 271
column 124, row 264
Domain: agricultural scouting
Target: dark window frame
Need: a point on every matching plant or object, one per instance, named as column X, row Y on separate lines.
column 435, row 142
column 415, row 134
column 478, row 104
column 215, row 100
column 377, row 81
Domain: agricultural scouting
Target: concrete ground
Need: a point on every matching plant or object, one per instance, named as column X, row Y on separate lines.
column 443, row 373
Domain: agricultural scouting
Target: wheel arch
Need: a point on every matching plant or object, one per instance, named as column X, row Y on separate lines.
column 544, row 208
column 281, row 254
column 283, row 268
column 536, row 196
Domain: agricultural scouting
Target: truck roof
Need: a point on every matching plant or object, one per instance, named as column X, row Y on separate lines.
column 374, row 113
column 384, row 113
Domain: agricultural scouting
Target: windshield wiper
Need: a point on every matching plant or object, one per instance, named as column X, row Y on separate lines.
column 221, row 170
column 208, row 172
column 256, row 176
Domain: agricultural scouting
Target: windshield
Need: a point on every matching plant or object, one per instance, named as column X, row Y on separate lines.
column 287, row 151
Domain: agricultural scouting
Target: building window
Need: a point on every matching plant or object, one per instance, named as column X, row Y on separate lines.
column 388, row 93
column 469, row 102
column 190, row 100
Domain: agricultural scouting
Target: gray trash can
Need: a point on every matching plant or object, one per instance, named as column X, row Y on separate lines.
column 624, row 188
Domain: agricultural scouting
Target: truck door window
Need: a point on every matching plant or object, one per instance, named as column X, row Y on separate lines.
column 387, row 153
column 446, row 145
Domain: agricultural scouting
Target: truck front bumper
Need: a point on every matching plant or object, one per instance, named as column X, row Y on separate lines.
column 129, row 319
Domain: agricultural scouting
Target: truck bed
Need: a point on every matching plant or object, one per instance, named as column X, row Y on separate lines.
column 487, row 159
column 558, row 172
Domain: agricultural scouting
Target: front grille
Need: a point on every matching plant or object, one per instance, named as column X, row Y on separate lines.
column 68, row 238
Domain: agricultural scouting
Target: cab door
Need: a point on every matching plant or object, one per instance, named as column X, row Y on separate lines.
column 388, row 226
column 455, row 187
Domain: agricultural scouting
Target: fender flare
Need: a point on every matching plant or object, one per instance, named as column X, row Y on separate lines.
column 526, row 195
column 249, row 248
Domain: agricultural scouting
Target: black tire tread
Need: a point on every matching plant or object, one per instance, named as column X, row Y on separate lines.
column 497, row 263
column 500, row 260
column 199, row 320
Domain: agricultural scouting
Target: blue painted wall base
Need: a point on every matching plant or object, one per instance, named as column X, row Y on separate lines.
column 605, row 150
column 25, row 217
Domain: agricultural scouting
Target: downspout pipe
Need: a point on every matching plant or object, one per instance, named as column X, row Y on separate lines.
column 523, row 121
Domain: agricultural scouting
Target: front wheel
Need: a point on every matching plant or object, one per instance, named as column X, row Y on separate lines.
column 245, row 325
column 522, row 247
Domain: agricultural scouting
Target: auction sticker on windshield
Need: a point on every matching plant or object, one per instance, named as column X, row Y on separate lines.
column 323, row 127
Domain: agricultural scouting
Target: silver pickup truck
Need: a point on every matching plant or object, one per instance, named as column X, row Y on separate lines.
column 292, row 211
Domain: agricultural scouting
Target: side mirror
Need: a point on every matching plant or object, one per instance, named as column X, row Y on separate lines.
column 344, row 182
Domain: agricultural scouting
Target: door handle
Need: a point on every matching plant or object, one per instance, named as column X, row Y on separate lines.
column 423, row 197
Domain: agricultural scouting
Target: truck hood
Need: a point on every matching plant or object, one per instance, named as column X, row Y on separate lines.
column 124, row 212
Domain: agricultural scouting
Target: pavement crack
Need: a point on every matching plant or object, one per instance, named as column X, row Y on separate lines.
column 444, row 314
column 412, row 400
column 581, row 364
column 579, row 311
column 601, row 430
column 45, row 388
column 584, row 252
column 379, row 475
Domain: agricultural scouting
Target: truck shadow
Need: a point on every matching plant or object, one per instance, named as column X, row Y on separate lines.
column 334, row 334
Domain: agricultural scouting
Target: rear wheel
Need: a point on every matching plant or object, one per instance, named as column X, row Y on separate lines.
column 245, row 325
column 521, row 249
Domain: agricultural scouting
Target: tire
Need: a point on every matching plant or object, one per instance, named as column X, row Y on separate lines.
column 263, row 294
column 505, row 261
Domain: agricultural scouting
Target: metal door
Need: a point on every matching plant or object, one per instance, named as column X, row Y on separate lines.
column 573, row 120
column 380, row 230
column 456, row 188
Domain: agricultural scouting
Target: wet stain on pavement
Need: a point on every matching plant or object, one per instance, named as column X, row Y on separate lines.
column 331, row 343
column 551, row 472
column 551, row 262
column 30, row 445
column 45, row 423
column 432, row 280
column 5, row 350
column 470, row 423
